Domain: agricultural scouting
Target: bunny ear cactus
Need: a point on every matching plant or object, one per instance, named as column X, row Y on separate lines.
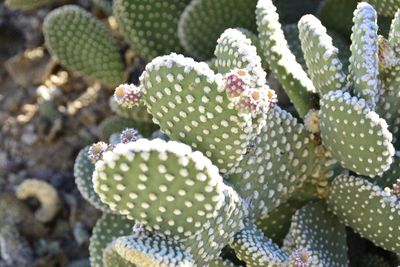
column 150, row 26
column 81, row 43
column 385, row 7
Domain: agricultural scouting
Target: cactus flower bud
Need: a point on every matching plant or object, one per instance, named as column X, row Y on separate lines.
column 128, row 95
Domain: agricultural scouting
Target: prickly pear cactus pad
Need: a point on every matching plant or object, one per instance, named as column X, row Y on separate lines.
column 389, row 177
column 320, row 233
column 26, row 4
column 277, row 163
column 112, row 259
column 322, row 58
column 385, row 7
column 369, row 210
column 150, row 26
column 364, row 62
column 138, row 113
column 216, row 115
column 108, row 228
column 281, row 60
column 151, row 249
column 80, row 42
column 234, row 50
column 355, row 135
column 203, row 21
column 388, row 108
column 83, row 171
column 252, row 247
column 139, row 179
column 394, row 33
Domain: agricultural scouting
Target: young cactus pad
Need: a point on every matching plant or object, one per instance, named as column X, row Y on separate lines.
column 81, row 43
column 370, row 211
column 164, row 172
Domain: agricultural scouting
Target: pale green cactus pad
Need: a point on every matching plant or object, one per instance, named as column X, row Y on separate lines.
column 112, row 259
column 394, row 33
column 370, row 211
column 322, row 58
column 283, row 63
column 235, row 51
column 355, row 135
column 320, row 233
column 252, row 247
column 364, row 62
column 276, row 223
column 150, row 26
column 388, row 107
column 207, row 119
column 83, row 171
column 203, row 21
column 152, row 249
column 26, row 4
column 164, row 172
column 108, row 228
column 83, row 44
column 385, row 7
column 277, row 163
column 389, row 177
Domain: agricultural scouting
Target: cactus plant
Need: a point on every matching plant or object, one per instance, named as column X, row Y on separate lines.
column 237, row 160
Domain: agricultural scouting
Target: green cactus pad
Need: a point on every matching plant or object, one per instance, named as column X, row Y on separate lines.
column 283, row 63
column 356, row 136
column 385, row 7
column 252, row 247
column 164, row 172
column 337, row 15
column 137, row 113
column 147, row 249
column 255, row 42
column 108, row 228
column 26, row 4
column 321, row 57
column 234, row 50
column 276, row 223
column 116, row 124
column 364, row 62
column 221, row 263
column 374, row 260
column 320, row 233
column 83, row 171
column 280, row 160
column 203, row 21
column 112, row 259
column 191, row 105
column 150, row 26
column 80, row 42
column 370, row 211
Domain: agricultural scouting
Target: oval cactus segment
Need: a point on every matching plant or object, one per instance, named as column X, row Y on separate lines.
column 83, row 171
column 281, row 60
column 385, row 7
column 203, row 21
column 81, row 43
column 322, row 58
column 140, row 179
column 252, row 247
column 320, row 233
column 388, row 107
column 235, row 51
column 356, row 136
column 150, row 26
column 369, row 210
column 191, row 104
column 389, row 177
column 364, row 62
column 112, row 259
column 108, row 228
column 277, row 163
column 153, row 249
